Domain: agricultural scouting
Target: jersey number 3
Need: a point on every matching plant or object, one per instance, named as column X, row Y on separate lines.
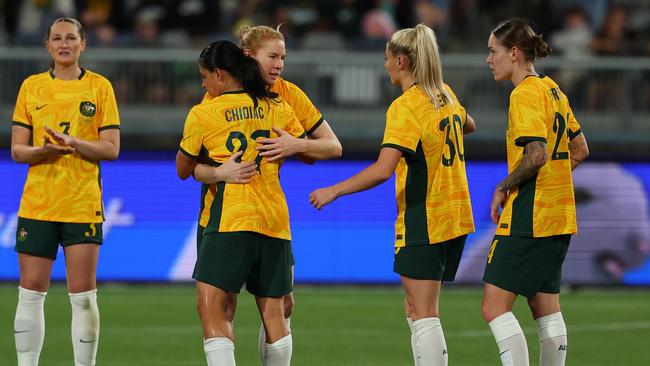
column 453, row 148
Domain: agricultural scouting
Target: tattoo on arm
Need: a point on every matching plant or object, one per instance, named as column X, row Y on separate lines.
column 534, row 158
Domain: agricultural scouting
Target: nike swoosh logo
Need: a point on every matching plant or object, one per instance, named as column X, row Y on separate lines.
column 20, row 331
column 84, row 341
column 39, row 107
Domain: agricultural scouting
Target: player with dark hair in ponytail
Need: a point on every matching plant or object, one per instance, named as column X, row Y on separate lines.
column 544, row 144
column 246, row 237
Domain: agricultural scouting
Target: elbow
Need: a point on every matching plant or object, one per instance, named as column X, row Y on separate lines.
column 385, row 175
column 113, row 155
column 183, row 174
column 338, row 151
column 15, row 156
column 540, row 159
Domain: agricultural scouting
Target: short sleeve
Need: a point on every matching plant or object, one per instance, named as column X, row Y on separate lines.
column 291, row 123
column 308, row 115
column 108, row 115
column 574, row 125
column 526, row 120
column 193, row 135
column 402, row 131
column 21, row 117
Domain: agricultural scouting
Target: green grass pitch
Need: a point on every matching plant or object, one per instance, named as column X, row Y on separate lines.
column 153, row 325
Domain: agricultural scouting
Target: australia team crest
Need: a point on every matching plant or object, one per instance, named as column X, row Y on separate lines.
column 88, row 109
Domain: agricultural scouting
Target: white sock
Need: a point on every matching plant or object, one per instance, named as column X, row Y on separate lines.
column 553, row 340
column 279, row 352
column 409, row 321
column 513, row 349
column 430, row 347
column 29, row 326
column 261, row 340
column 85, row 327
column 219, row 351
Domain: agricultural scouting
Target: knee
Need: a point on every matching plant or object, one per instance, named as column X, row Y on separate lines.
column 34, row 284
column 490, row 311
column 288, row 305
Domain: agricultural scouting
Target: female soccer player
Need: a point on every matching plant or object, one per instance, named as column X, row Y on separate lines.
column 423, row 144
column 64, row 124
column 543, row 143
column 266, row 45
column 247, row 236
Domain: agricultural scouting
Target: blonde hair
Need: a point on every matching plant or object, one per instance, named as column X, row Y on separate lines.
column 420, row 47
column 252, row 38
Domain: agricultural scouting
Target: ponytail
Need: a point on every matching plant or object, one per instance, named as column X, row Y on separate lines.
column 420, row 46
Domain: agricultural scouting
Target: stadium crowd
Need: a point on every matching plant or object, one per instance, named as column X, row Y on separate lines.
column 575, row 28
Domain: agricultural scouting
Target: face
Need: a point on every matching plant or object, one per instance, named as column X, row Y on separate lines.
column 210, row 81
column 392, row 67
column 500, row 59
column 271, row 59
column 65, row 44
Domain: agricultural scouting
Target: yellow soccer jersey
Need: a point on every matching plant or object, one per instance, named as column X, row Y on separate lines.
column 544, row 205
column 230, row 123
column 433, row 202
column 66, row 188
column 309, row 117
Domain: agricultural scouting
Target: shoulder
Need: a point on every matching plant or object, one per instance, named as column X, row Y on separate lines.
column 34, row 79
column 97, row 78
column 530, row 88
column 287, row 89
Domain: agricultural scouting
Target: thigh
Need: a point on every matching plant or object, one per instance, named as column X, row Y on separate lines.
column 37, row 238
column 225, row 260
column 271, row 275
column 81, row 266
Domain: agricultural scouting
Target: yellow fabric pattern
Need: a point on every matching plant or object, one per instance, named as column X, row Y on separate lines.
column 308, row 115
column 544, row 206
column 66, row 188
column 230, row 123
column 433, row 203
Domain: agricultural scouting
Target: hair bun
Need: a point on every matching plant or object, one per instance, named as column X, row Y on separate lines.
column 542, row 49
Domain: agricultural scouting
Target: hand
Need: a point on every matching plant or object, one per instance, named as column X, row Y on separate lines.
column 498, row 200
column 280, row 147
column 322, row 196
column 60, row 138
column 232, row 171
column 51, row 149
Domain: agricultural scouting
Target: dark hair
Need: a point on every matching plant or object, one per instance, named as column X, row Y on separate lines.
column 228, row 56
column 74, row 21
column 518, row 32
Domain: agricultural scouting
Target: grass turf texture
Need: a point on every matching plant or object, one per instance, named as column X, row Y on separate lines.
column 157, row 325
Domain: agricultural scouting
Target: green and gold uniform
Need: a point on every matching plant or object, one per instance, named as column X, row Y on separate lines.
column 220, row 127
column 542, row 208
column 433, row 203
column 67, row 188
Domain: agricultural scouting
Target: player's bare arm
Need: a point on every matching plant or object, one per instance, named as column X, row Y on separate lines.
column 106, row 148
column 22, row 150
column 370, row 177
column 322, row 144
column 469, row 126
column 578, row 150
column 231, row 171
column 535, row 157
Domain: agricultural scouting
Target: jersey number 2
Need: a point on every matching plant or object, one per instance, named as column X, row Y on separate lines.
column 559, row 126
column 243, row 143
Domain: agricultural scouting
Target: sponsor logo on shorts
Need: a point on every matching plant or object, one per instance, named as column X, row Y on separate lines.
column 22, row 234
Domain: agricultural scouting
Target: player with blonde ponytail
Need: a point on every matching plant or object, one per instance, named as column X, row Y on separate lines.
column 423, row 145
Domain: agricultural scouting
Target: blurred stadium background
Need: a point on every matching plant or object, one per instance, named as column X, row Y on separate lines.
column 148, row 50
